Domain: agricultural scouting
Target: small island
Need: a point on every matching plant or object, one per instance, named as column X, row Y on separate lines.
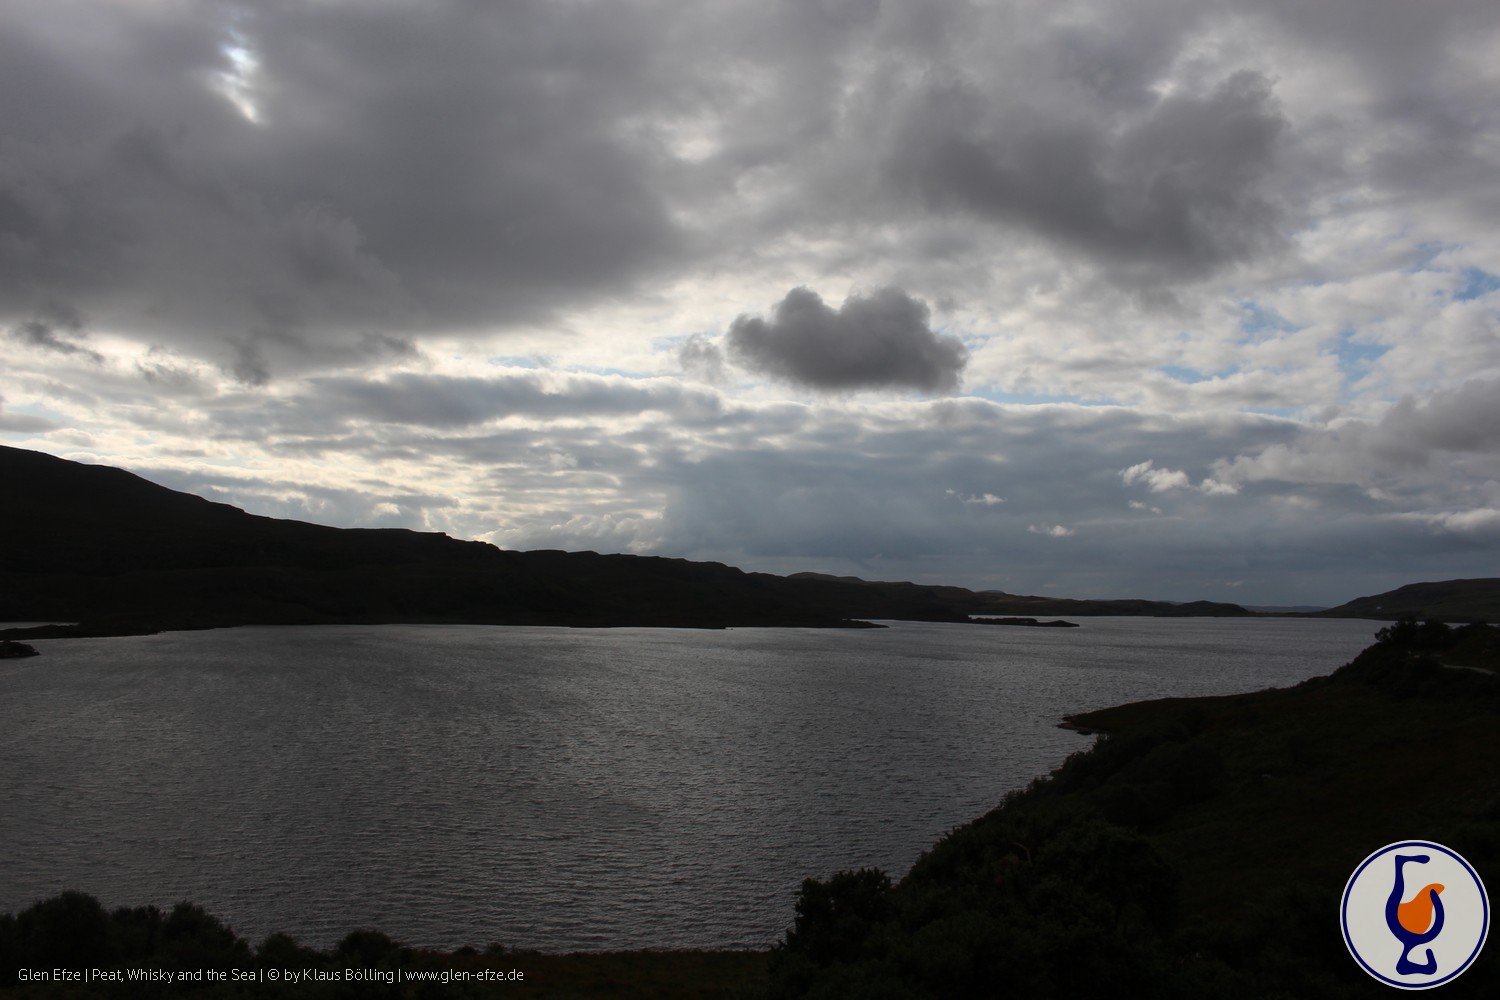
column 1025, row 622
column 15, row 650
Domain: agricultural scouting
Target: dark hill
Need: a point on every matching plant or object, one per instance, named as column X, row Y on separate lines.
column 118, row 553
column 103, row 546
column 1449, row 600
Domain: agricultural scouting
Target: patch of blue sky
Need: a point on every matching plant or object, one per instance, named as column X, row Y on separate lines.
column 1477, row 283
column 1355, row 356
column 34, row 410
column 1193, row 376
column 1256, row 318
column 674, row 341
column 610, row 370
column 1177, row 373
column 1356, row 361
column 513, row 361
column 1035, row 398
column 1286, row 412
column 1429, row 252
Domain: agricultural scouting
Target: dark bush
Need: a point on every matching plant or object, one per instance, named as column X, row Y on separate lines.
column 1409, row 634
column 367, row 949
column 193, row 938
column 834, row 918
column 136, row 933
column 281, row 951
column 70, row 931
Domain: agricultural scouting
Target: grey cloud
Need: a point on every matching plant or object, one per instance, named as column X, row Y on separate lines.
column 452, row 402
column 1463, row 419
column 368, row 504
column 701, row 359
column 1424, row 128
column 1116, row 59
column 458, row 167
column 163, row 375
column 447, row 167
column 136, row 227
column 56, row 328
column 249, row 365
column 1179, row 187
column 877, row 341
column 869, row 488
column 1395, row 455
column 22, row 423
column 1391, row 41
column 851, row 494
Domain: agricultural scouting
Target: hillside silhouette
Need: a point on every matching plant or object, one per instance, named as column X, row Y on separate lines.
column 106, row 548
column 1446, row 600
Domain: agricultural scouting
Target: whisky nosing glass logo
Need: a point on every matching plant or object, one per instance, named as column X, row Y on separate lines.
column 1415, row 914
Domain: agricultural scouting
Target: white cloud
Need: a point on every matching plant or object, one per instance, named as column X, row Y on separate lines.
column 1480, row 523
column 1157, row 480
column 1214, row 488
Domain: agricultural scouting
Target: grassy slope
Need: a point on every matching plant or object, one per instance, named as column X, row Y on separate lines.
column 1314, row 779
column 1447, row 600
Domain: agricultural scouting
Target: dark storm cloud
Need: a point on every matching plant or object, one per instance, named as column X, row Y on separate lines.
column 1466, row 419
column 881, row 340
column 1392, row 41
column 498, row 127
column 443, row 165
column 262, row 185
column 1178, row 186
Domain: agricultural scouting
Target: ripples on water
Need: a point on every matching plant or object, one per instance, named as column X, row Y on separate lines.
column 555, row 788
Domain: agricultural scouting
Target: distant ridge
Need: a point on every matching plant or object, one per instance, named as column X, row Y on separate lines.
column 1286, row 609
column 106, row 548
column 1446, row 600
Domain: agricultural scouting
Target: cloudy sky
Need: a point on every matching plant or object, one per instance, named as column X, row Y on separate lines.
column 1162, row 299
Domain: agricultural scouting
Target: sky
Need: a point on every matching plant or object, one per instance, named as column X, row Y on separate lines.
column 1175, row 300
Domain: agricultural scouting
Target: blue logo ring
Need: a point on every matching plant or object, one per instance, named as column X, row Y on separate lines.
column 1423, row 845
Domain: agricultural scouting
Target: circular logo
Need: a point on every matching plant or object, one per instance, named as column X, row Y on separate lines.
column 1415, row 914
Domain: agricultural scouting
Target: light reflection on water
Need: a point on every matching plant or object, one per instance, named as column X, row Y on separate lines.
column 555, row 788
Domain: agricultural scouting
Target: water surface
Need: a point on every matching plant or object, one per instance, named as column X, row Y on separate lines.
column 556, row 788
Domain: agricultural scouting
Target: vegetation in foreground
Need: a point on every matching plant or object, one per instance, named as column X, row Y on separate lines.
column 1201, row 849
